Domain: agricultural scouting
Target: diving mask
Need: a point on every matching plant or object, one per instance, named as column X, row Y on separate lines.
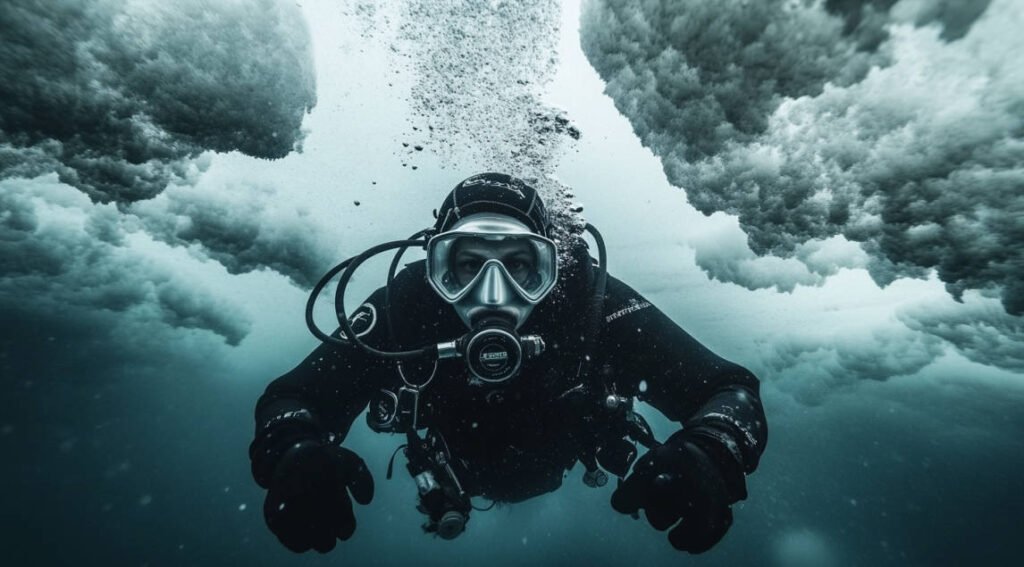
column 491, row 266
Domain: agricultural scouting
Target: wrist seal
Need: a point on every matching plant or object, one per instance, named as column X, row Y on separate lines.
column 720, row 450
column 275, row 436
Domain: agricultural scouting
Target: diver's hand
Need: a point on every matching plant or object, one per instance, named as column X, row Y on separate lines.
column 308, row 505
column 679, row 481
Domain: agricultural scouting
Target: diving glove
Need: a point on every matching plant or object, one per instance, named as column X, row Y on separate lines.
column 308, row 486
column 683, row 483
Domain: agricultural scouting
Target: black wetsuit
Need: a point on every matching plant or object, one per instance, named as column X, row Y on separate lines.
column 517, row 440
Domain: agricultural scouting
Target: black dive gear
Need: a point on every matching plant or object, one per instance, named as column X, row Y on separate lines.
column 493, row 352
column 492, row 349
column 514, row 441
column 488, row 435
column 441, row 496
column 680, row 480
column 308, row 484
column 494, row 193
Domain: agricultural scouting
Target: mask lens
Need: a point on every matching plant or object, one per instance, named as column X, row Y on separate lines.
column 456, row 259
column 541, row 277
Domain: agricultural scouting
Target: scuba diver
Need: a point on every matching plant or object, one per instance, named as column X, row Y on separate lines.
column 504, row 358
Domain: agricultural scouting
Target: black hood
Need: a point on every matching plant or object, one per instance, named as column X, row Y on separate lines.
column 494, row 193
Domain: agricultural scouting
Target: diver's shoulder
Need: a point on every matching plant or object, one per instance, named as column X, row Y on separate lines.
column 409, row 282
column 621, row 300
column 412, row 276
column 411, row 294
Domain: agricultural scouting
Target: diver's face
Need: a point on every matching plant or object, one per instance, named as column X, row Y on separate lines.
column 471, row 253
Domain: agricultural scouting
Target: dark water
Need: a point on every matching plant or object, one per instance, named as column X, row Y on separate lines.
column 129, row 456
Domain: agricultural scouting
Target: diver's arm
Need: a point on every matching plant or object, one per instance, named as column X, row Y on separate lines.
column 715, row 400
column 321, row 397
column 296, row 455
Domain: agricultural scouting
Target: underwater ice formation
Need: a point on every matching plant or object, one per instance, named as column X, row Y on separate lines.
column 979, row 329
column 120, row 99
column 63, row 257
column 243, row 228
column 119, row 96
column 895, row 125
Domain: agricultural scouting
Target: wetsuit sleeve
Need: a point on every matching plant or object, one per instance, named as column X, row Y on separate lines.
column 321, row 397
column 715, row 400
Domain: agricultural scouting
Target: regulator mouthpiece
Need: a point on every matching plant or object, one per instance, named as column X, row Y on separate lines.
column 493, row 354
